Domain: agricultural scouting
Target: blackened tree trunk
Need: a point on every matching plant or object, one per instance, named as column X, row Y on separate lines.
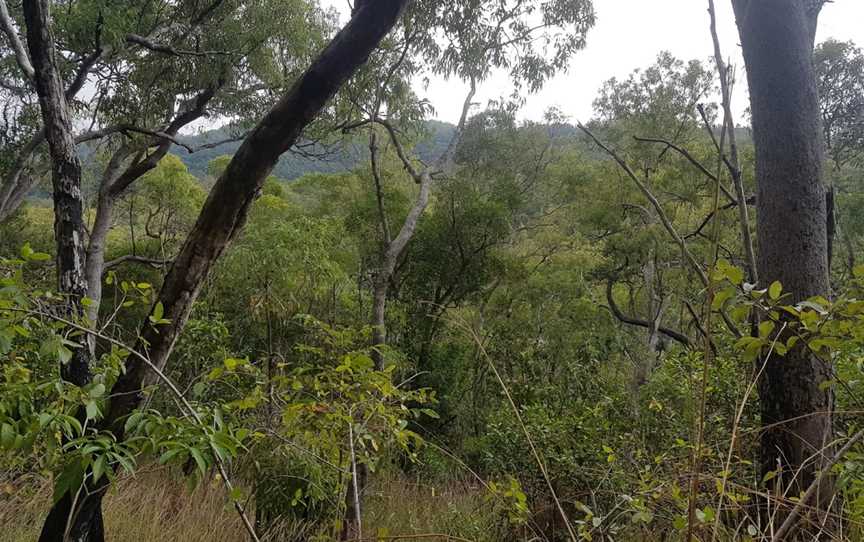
column 69, row 232
column 69, row 237
column 777, row 41
column 221, row 219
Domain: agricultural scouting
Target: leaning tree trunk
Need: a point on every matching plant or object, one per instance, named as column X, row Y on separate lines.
column 221, row 219
column 777, row 41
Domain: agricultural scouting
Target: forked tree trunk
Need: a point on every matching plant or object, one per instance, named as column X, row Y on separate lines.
column 777, row 41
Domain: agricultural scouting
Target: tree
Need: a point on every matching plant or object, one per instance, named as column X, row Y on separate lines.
column 795, row 395
column 840, row 81
column 66, row 171
column 220, row 220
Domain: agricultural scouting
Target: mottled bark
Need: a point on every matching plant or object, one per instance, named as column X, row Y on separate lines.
column 69, row 229
column 777, row 41
column 69, row 238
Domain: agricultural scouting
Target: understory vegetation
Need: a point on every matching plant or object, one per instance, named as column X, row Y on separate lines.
column 649, row 326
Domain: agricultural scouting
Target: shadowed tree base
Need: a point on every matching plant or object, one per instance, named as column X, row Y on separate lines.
column 86, row 526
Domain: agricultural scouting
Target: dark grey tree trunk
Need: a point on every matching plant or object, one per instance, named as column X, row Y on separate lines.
column 86, row 525
column 777, row 41
column 69, row 232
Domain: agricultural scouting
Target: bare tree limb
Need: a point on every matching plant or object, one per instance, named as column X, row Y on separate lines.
column 733, row 164
column 21, row 56
column 621, row 317
column 168, row 49
column 667, row 224
column 683, row 152
column 155, row 262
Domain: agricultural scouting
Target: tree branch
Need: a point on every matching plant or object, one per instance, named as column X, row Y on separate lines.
column 155, row 262
column 655, row 203
column 167, row 49
column 683, row 152
column 621, row 317
column 21, row 56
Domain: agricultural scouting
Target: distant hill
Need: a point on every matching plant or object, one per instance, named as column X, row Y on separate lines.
column 293, row 165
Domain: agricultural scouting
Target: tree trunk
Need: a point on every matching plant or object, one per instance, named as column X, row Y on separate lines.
column 84, row 520
column 69, row 232
column 777, row 41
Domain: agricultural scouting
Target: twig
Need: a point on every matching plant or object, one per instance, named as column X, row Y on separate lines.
column 525, row 432
column 790, row 520
column 733, row 164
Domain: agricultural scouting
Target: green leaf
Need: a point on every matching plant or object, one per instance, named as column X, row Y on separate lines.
column 765, row 328
column 169, row 455
column 158, row 313
column 69, row 480
column 199, row 459
column 26, row 251
column 7, row 436
column 133, row 421
column 92, row 410
column 98, row 468
column 431, row 413
column 775, row 290
column 97, row 391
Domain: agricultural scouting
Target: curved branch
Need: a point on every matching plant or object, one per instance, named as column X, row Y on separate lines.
column 683, row 152
column 21, row 56
column 621, row 317
column 167, row 49
column 155, row 262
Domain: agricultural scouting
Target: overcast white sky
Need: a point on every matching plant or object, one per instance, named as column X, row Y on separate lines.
column 628, row 35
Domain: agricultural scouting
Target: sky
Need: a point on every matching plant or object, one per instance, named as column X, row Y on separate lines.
column 628, row 35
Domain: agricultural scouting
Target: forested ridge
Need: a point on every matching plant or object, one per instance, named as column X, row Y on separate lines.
column 251, row 289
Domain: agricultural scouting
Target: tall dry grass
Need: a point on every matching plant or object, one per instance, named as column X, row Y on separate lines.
column 150, row 507
column 156, row 506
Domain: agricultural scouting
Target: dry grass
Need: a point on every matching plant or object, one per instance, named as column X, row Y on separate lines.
column 151, row 507
column 401, row 506
column 155, row 506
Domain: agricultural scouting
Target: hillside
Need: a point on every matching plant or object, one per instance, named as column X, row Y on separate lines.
column 293, row 165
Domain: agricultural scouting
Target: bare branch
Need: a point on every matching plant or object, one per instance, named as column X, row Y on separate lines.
column 126, row 128
column 131, row 258
column 733, row 164
column 620, row 316
column 683, row 152
column 655, row 203
column 167, row 49
column 15, row 42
